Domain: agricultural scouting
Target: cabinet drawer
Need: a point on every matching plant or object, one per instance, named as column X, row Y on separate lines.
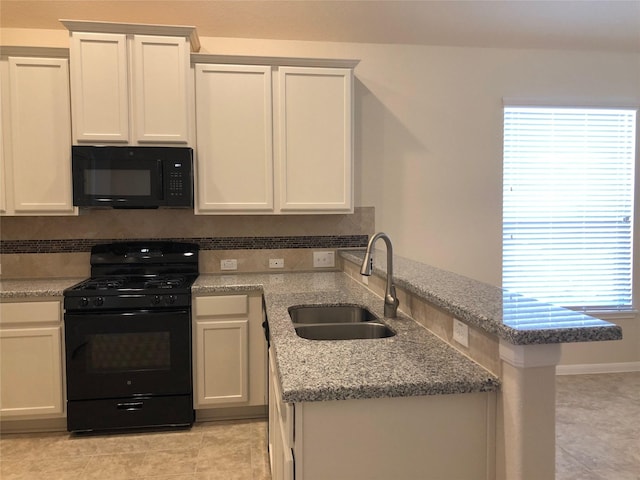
column 221, row 305
column 30, row 312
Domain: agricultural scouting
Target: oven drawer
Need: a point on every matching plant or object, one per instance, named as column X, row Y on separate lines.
column 117, row 413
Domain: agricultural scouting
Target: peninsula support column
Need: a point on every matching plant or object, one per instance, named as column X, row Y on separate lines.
column 526, row 434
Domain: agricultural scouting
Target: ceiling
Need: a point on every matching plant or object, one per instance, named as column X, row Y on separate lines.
column 612, row 25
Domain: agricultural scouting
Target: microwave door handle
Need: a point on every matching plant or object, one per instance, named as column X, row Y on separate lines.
column 160, row 171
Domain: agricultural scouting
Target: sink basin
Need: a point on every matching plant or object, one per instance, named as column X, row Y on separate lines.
column 330, row 314
column 344, row 331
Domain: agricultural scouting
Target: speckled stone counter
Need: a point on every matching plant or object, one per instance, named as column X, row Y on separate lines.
column 35, row 287
column 509, row 316
column 413, row 362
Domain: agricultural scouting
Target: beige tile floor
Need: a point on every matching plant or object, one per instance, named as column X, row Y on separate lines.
column 598, row 427
column 598, row 438
column 209, row 451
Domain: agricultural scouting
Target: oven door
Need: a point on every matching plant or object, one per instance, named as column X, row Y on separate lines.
column 143, row 353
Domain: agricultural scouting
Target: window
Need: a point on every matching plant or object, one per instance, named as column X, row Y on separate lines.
column 568, row 182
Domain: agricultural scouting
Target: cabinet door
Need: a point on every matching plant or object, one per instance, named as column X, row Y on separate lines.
column 234, row 138
column 221, row 362
column 99, row 82
column 3, row 177
column 315, row 160
column 40, row 135
column 280, row 429
column 160, row 92
column 30, row 371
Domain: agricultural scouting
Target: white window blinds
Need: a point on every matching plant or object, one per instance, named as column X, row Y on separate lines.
column 568, row 205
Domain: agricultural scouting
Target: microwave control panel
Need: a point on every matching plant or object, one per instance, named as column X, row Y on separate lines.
column 178, row 183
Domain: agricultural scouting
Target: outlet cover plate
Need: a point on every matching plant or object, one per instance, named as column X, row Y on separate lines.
column 276, row 263
column 461, row 332
column 229, row 264
column 324, row 259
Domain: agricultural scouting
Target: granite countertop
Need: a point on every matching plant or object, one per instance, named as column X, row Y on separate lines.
column 413, row 362
column 35, row 287
column 509, row 316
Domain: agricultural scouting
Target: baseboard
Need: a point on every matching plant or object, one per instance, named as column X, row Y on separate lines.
column 591, row 368
column 34, row 426
column 238, row 413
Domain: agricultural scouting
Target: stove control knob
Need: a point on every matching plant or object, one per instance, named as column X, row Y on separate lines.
column 98, row 301
column 84, row 301
column 172, row 299
column 156, row 299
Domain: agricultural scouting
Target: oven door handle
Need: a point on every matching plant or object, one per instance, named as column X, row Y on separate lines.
column 130, row 406
column 76, row 351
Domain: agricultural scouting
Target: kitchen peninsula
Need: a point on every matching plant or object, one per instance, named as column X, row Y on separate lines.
column 493, row 400
column 516, row 340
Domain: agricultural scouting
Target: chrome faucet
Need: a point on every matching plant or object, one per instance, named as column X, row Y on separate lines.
column 391, row 301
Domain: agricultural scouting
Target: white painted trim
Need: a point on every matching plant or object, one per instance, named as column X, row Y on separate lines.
column 571, row 102
column 273, row 61
column 26, row 51
column 526, row 356
column 187, row 31
column 591, row 368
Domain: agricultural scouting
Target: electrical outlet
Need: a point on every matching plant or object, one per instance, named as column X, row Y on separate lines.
column 229, row 264
column 324, row 259
column 461, row 332
column 276, row 263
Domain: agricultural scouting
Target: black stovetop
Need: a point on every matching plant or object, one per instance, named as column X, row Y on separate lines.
column 136, row 275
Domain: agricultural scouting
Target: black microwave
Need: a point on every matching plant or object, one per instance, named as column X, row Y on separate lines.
column 132, row 177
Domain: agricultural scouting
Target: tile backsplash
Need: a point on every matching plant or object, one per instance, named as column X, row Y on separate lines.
column 36, row 247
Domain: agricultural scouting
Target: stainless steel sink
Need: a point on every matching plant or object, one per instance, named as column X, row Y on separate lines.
column 344, row 331
column 337, row 322
column 330, row 314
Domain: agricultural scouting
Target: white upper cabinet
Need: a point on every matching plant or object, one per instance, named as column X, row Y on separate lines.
column 3, row 177
column 129, row 88
column 273, row 139
column 160, row 89
column 100, row 87
column 315, row 160
column 36, row 129
column 234, row 138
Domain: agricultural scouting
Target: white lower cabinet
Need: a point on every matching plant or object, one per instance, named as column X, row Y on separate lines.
column 31, row 368
column 229, row 351
column 280, row 429
column 426, row 437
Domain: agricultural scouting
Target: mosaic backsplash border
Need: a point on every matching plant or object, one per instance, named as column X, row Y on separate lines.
column 213, row 243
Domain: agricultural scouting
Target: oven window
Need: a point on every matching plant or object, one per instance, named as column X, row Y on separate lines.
column 123, row 182
column 130, row 352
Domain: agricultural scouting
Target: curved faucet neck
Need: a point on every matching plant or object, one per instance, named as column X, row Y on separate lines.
column 391, row 301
